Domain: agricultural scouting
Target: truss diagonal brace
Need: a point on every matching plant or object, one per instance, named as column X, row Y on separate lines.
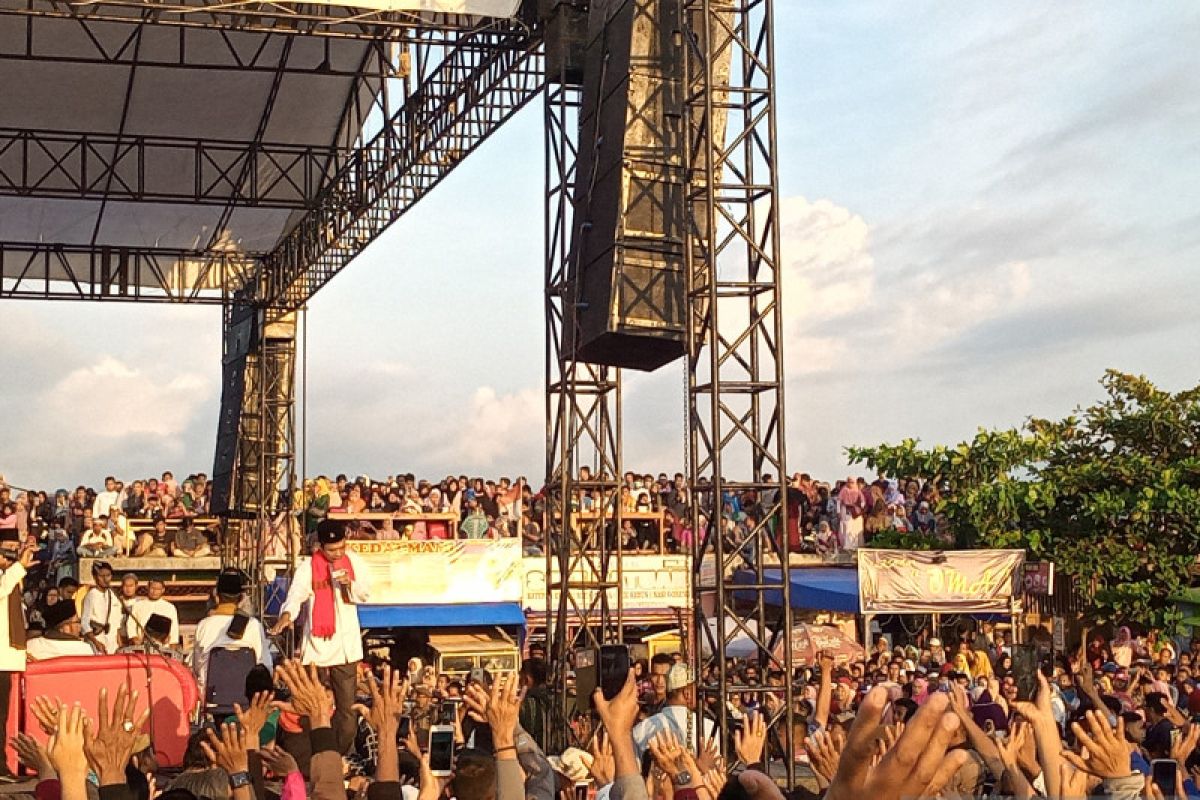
column 479, row 85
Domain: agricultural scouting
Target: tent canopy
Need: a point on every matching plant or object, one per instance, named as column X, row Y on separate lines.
column 819, row 589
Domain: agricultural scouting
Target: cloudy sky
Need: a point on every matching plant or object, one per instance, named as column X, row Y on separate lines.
column 985, row 206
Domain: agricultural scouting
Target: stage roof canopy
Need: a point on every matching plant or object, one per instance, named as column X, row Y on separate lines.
column 172, row 127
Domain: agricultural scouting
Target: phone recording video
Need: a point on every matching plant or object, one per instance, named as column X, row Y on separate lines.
column 441, row 750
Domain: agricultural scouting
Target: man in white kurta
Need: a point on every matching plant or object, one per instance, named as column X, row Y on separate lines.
column 339, row 649
column 155, row 603
column 13, row 561
column 101, row 614
column 212, row 632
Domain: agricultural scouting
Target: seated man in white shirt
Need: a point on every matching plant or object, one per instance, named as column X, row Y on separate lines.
column 62, row 634
column 214, row 632
column 97, row 542
column 155, row 603
column 676, row 716
column 155, row 632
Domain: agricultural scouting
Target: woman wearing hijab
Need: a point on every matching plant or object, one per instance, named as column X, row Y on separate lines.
column 317, row 507
column 851, row 505
column 1122, row 648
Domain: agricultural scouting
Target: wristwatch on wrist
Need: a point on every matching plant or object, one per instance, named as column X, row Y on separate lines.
column 683, row 778
column 239, row 779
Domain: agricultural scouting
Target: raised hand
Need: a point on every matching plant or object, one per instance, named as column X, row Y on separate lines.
column 33, row 755
column 67, row 754
column 620, row 713
column 227, row 749
column 824, row 755
column 667, row 752
column 45, row 711
column 476, row 700
column 602, row 768
column 918, row 765
column 709, row 756
column 1186, row 744
column 278, row 761
column 309, row 698
column 65, row 750
column 387, row 702
column 113, row 738
column 749, row 741
column 1106, row 752
column 255, row 716
column 714, row 781
column 504, row 707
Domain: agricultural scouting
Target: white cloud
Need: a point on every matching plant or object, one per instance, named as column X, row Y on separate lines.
column 839, row 305
column 496, row 431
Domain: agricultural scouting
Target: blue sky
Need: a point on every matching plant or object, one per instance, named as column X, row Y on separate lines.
column 984, row 207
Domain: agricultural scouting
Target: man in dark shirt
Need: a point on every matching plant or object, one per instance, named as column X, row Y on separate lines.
column 1158, row 731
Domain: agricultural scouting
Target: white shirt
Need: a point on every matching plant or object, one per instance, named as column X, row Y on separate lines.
column 213, row 633
column 144, row 608
column 677, row 719
column 102, row 607
column 41, row 648
column 12, row 659
column 345, row 646
column 102, row 505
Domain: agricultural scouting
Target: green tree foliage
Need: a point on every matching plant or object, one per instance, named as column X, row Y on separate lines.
column 1111, row 494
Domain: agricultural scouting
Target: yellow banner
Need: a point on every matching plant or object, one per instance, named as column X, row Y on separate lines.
column 923, row 582
column 647, row 582
column 442, row 572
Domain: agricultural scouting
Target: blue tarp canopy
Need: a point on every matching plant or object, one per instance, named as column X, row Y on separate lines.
column 441, row 616
column 818, row 589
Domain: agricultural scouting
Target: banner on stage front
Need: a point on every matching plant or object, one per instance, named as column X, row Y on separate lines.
column 937, row 581
column 438, row 572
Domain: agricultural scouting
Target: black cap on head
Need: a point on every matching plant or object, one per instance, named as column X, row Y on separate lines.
column 331, row 531
column 158, row 625
column 230, row 583
column 59, row 613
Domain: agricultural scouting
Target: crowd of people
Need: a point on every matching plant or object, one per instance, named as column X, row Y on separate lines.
column 923, row 718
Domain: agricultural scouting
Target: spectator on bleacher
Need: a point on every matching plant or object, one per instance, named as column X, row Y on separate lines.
column 135, row 499
column 101, row 614
column 155, row 603
column 61, row 508
column 355, row 502
column 97, row 542
column 62, row 634
column 104, row 501
column 130, row 628
column 168, row 484
column 172, row 508
column 316, row 505
column 157, row 542
column 190, row 541
column 213, row 631
column 476, row 525
column 122, row 532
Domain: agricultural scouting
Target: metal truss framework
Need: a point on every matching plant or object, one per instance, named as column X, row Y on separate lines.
column 735, row 358
column 264, row 473
column 161, row 169
column 480, row 82
column 145, row 275
column 583, row 432
column 254, row 16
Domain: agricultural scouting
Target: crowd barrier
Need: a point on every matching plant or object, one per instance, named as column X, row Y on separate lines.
column 164, row 684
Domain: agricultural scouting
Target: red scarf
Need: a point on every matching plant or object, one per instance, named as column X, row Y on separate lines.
column 324, row 613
